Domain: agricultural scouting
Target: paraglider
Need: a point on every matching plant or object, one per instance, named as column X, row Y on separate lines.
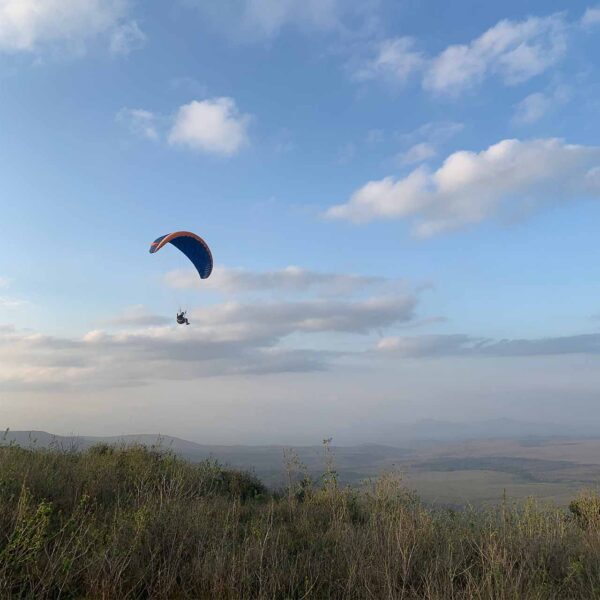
column 181, row 318
column 195, row 248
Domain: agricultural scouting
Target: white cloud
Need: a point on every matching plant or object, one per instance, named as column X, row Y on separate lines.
column 137, row 316
column 269, row 321
column 140, row 122
column 11, row 303
column 290, row 279
column 126, row 38
column 515, row 51
column 234, row 338
column 223, row 339
column 591, row 17
column 417, row 153
column 536, row 106
column 532, row 108
column 426, row 140
column 33, row 25
column 395, row 60
column 434, row 132
column 465, row 345
column 511, row 176
column 426, row 345
column 213, row 126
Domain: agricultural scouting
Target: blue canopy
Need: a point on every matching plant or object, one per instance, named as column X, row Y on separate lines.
column 192, row 245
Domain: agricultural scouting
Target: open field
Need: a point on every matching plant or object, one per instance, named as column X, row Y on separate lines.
column 457, row 488
column 445, row 473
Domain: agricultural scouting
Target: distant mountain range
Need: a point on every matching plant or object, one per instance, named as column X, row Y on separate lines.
column 399, row 435
column 355, row 462
column 268, row 462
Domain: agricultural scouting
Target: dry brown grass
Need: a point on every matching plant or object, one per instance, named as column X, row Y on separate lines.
column 141, row 523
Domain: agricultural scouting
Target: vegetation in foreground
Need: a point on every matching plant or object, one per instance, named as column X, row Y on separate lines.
column 133, row 522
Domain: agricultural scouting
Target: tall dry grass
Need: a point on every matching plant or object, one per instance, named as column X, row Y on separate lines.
column 141, row 523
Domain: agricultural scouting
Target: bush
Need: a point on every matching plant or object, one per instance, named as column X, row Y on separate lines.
column 586, row 510
column 137, row 522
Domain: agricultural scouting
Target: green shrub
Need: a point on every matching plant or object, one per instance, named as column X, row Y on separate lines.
column 137, row 522
column 586, row 510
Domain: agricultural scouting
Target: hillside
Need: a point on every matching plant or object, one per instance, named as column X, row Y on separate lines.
column 447, row 473
column 137, row 523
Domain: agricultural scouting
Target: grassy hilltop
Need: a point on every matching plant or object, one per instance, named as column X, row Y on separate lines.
column 134, row 522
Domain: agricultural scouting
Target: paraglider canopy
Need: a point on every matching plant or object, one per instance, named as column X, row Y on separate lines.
column 192, row 245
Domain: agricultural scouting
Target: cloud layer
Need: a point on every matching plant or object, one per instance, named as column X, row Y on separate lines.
column 465, row 345
column 9, row 302
column 289, row 279
column 235, row 339
column 230, row 338
column 591, row 17
column 537, row 105
column 511, row 177
column 395, row 61
column 142, row 123
column 32, row 25
column 513, row 51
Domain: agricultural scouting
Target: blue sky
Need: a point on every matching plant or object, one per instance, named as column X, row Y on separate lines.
column 401, row 198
